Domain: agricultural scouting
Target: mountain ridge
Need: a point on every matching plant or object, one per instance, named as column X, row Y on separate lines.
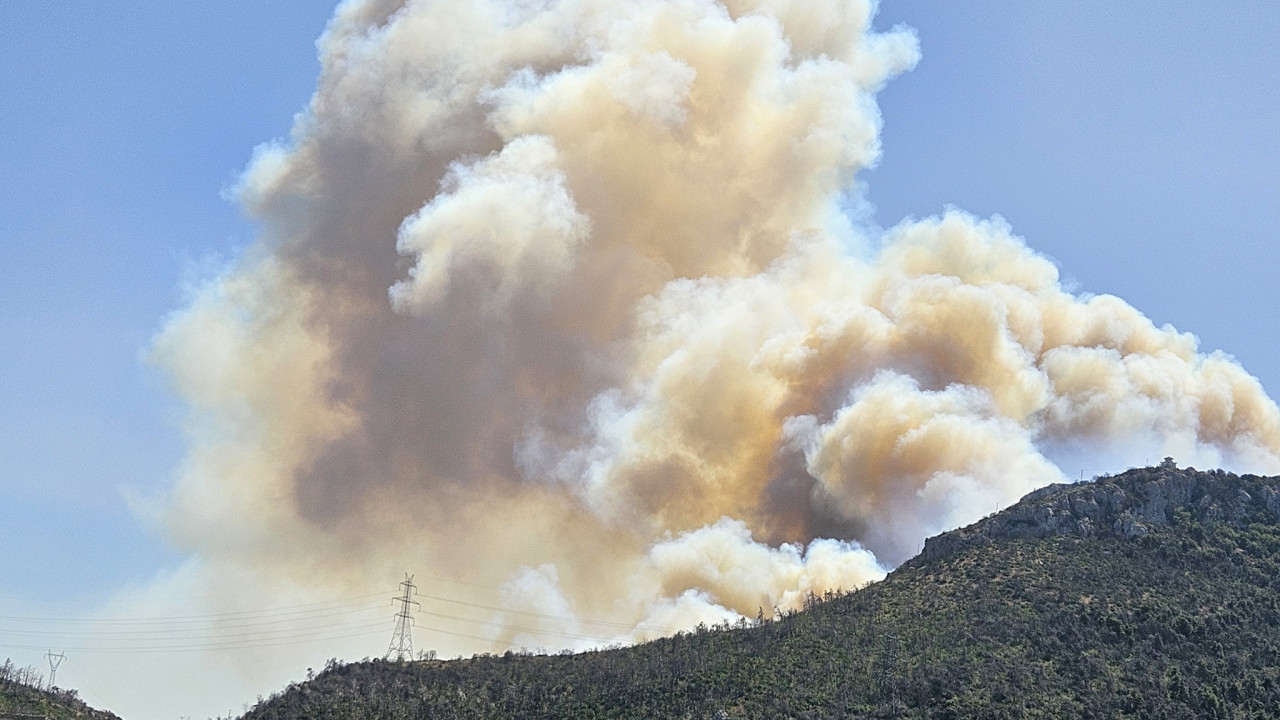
column 1128, row 504
column 1149, row 594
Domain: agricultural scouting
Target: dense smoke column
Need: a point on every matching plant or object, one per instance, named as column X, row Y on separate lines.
column 557, row 299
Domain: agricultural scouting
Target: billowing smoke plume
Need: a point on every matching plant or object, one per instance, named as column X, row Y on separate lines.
column 556, row 301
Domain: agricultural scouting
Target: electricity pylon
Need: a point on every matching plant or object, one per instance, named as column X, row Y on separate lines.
column 55, row 661
column 401, row 647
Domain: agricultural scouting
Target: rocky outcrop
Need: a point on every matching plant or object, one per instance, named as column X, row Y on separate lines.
column 1128, row 505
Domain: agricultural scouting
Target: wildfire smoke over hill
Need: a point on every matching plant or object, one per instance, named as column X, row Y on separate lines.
column 559, row 299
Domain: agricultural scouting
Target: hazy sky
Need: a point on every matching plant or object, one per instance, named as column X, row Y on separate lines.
column 1137, row 144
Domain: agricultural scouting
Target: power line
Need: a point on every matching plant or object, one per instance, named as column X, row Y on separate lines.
column 378, row 629
column 211, row 645
column 516, row 628
column 330, row 608
column 295, row 609
column 267, row 626
column 290, row 625
column 194, row 634
column 547, row 616
column 275, row 642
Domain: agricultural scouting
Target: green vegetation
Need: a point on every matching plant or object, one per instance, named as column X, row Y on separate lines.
column 1154, row 594
column 23, row 694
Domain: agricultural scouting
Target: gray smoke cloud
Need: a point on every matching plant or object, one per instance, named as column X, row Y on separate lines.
column 556, row 301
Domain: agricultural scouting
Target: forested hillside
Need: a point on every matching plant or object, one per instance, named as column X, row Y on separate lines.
column 24, row 694
column 1152, row 594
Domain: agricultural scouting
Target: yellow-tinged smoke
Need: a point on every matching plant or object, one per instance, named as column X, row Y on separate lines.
column 555, row 300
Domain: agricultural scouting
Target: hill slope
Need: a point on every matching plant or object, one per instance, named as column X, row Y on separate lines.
column 1154, row 593
column 21, row 698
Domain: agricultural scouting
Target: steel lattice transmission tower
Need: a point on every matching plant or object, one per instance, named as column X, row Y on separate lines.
column 55, row 661
column 401, row 647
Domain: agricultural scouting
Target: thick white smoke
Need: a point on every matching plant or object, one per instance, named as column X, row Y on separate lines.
column 555, row 299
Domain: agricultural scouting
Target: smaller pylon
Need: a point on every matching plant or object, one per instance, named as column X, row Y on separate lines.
column 55, row 661
column 401, row 647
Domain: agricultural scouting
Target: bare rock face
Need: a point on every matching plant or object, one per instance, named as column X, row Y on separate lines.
column 1129, row 505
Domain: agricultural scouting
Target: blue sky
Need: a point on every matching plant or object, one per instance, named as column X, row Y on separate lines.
column 123, row 122
column 1137, row 144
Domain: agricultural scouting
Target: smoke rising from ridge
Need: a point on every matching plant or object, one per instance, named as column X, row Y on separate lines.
column 556, row 299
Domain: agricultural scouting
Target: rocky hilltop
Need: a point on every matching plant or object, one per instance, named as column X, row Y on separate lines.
column 1127, row 505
